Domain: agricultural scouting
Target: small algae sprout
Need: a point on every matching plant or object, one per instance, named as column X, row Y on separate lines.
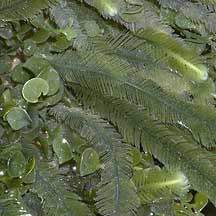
column 108, row 7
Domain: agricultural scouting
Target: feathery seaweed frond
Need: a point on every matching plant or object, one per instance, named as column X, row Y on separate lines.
column 197, row 13
column 115, row 189
column 56, row 200
column 177, row 57
column 161, row 46
column 143, row 92
column 132, row 15
column 168, row 144
column 129, row 48
column 13, row 10
column 155, row 184
column 122, row 122
column 147, row 17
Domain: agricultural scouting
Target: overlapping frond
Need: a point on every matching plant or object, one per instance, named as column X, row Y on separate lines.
column 162, row 105
column 13, row 10
column 142, row 74
column 116, row 195
column 12, row 204
column 148, row 17
column 129, row 48
column 168, row 144
column 132, row 15
column 163, row 47
column 199, row 14
column 56, row 200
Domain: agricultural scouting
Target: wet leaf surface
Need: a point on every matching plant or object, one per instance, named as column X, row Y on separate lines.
column 34, row 88
column 51, row 76
column 17, row 118
column 16, row 165
column 90, row 162
column 61, row 146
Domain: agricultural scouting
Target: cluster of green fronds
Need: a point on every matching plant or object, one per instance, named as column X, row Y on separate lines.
column 107, row 107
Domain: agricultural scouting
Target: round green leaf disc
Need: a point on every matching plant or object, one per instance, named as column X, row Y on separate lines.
column 16, row 165
column 51, row 76
column 34, row 88
column 90, row 162
column 17, row 118
column 54, row 99
column 61, row 43
column 41, row 36
column 61, row 146
column 20, row 75
column 36, row 64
